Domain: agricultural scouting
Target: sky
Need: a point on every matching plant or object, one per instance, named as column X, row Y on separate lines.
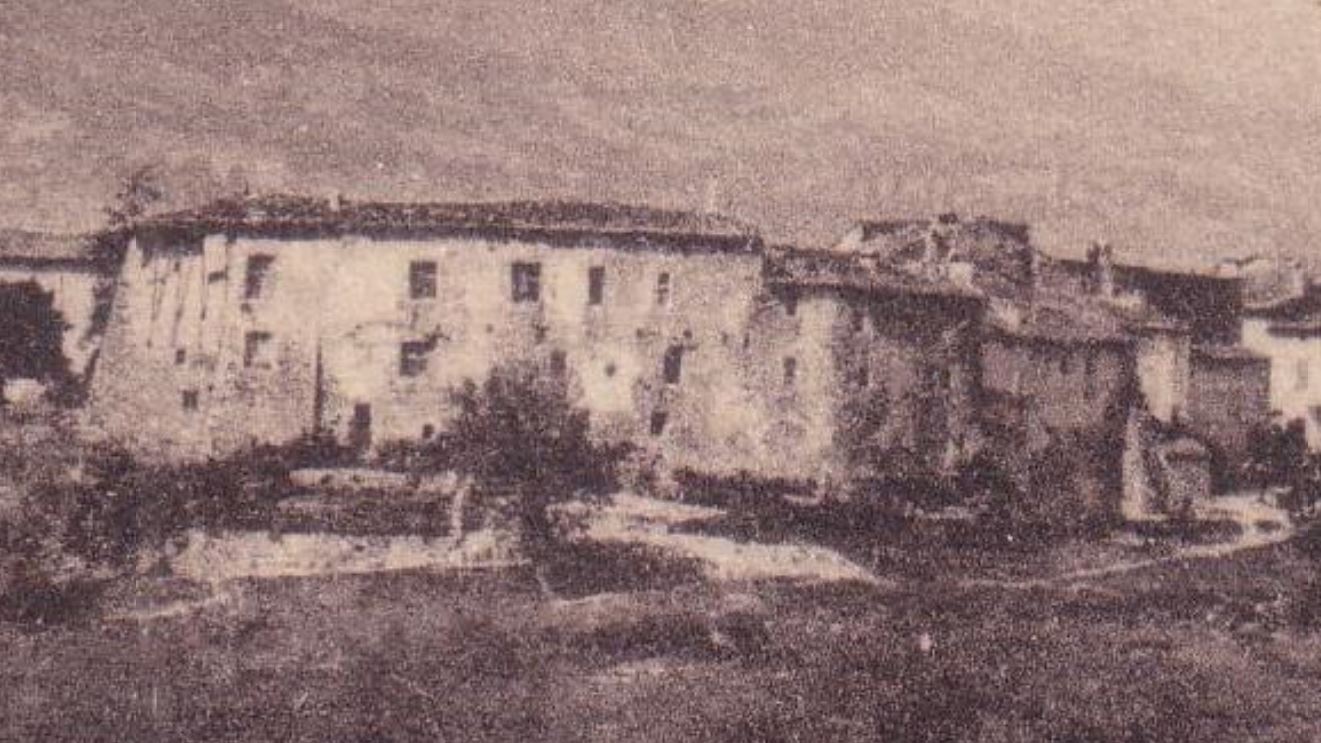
column 1178, row 130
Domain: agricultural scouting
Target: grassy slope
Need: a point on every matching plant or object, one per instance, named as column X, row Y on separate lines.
column 1178, row 652
column 1157, row 122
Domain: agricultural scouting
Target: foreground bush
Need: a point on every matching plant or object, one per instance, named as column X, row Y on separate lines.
column 525, row 448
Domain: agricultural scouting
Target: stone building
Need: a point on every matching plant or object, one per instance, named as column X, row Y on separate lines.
column 1287, row 331
column 265, row 319
column 893, row 359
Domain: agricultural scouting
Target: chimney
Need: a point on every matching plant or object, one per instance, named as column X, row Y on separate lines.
column 1101, row 258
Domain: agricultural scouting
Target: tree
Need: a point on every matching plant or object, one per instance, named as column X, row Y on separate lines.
column 138, row 193
column 31, row 335
column 526, row 448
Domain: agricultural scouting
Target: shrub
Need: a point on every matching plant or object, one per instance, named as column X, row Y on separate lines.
column 1066, row 489
column 519, row 438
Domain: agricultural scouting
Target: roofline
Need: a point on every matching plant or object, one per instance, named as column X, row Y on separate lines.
column 1028, row 336
column 320, row 229
column 40, row 262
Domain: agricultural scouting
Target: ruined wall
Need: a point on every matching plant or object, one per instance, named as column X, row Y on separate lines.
column 72, row 296
column 1229, row 396
column 1063, row 387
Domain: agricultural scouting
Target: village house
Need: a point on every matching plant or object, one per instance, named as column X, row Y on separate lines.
column 1286, row 329
column 1050, row 359
column 1194, row 368
column 894, row 359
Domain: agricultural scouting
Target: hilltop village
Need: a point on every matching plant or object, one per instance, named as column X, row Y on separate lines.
column 931, row 341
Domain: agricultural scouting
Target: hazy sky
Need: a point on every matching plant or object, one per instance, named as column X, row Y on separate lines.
column 1175, row 128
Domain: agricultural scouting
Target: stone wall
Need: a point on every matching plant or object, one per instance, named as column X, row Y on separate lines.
column 1062, row 387
column 1229, row 396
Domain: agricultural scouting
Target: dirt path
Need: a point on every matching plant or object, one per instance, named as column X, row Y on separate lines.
column 637, row 520
column 1247, row 510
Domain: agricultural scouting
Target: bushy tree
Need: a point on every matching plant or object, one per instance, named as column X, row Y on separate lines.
column 525, row 446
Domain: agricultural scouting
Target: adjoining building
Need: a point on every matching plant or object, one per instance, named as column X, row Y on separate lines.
column 63, row 266
column 894, row 356
column 1287, row 331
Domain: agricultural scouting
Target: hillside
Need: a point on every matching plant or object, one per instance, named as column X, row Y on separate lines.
column 1170, row 128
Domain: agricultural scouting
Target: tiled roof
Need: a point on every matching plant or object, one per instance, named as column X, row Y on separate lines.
column 1228, row 353
column 1060, row 319
column 811, row 268
column 21, row 246
column 278, row 213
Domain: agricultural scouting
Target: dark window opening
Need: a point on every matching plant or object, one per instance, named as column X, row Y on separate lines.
column 864, row 376
column 663, row 289
column 413, row 358
column 673, row 366
column 428, row 431
column 360, row 428
column 422, row 279
column 791, row 303
column 258, row 272
column 559, row 363
column 526, row 282
column 1066, row 363
column 790, row 370
column 658, row 420
column 610, row 369
column 180, row 355
column 256, row 348
column 595, row 285
column 189, row 400
column 1089, row 375
column 858, row 319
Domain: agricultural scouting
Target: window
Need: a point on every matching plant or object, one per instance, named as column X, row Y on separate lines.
column 257, row 277
column 790, row 370
column 1089, row 375
column 663, row 289
column 257, row 348
column 189, row 400
column 1066, row 363
column 428, row 430
column 559, row 363
column 673, row 366
column 180, row 355
column 857, row 319
column 526, row 278
column 596, row 285
column 413, row 358
column 422, row 280
column 1302, row 374
column 791, row 303
column 658, row 420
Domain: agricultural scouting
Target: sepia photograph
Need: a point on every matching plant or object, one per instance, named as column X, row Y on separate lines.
column 660, row 370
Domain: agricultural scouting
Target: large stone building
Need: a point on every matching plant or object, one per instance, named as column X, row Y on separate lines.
column 265, row 319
